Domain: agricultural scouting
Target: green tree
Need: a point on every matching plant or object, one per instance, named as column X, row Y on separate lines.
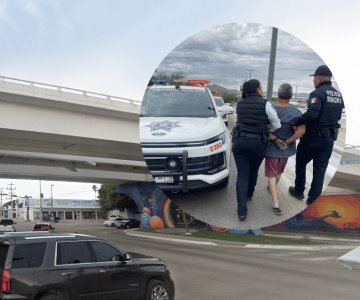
column 109, row 199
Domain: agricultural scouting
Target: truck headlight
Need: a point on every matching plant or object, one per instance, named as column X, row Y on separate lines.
column 221, row 137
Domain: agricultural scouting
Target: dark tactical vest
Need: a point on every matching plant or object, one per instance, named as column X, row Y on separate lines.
column 251, row 115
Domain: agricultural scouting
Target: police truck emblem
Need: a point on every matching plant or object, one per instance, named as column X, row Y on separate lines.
column 162, row 126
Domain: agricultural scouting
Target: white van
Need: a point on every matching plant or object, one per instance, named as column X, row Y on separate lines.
column 185, row 142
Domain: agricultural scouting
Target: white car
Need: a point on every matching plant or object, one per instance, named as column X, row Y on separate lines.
column 185, row 142
column 112, row 222
column 224, row 110
column 7, row 225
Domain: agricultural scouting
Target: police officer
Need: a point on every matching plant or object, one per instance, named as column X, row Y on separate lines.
column 250, row 136
column 325, row 106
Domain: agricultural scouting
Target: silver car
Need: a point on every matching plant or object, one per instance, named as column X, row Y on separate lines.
column 111, row 222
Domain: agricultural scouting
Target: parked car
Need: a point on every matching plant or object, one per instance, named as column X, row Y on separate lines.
column 67, row 266
column 223, row 109
column 43, row 227
column 7, row 225
column 111, row 222
column 128, row 223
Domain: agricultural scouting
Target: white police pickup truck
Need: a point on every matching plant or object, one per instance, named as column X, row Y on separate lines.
column 185, row 142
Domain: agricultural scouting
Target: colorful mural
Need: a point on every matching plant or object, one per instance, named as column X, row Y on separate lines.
column 335, row 213
column 153, row 204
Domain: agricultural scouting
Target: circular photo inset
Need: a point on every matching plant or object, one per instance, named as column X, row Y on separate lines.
column 236, row 132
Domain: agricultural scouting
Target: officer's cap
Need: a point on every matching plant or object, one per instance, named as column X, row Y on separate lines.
column 322, row 71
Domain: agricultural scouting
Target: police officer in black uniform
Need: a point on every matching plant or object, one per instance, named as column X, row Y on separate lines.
column 325, row 106
column 250, row 136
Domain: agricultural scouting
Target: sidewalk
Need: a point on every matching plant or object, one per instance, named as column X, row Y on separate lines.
column 178, row 235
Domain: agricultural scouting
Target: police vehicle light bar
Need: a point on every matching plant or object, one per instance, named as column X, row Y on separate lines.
column 198, row 81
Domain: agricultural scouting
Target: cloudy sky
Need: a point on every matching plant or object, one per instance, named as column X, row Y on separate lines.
column 227, row 54
column 113, row 47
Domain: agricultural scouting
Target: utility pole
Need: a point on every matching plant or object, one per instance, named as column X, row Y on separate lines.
column 27, row 208
column 52, row 204
column 250, row 70
column 2, row 209
column 11, row 189
column 41, row 210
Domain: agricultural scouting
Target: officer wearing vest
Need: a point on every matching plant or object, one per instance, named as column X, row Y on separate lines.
column 325, row 106
column 250, row 136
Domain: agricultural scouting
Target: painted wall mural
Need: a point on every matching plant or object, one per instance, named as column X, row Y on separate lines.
column 331, row 213
column 151, row 202
column 334, row 213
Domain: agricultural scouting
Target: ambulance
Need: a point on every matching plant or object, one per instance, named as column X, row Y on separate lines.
column 185, row 142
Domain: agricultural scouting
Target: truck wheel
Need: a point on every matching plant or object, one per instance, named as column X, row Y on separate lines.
column 157, row 290
column 112, row 225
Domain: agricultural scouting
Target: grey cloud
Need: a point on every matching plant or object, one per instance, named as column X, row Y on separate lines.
column 224, row 53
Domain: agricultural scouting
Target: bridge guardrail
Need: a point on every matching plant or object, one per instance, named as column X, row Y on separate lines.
column 67, row 90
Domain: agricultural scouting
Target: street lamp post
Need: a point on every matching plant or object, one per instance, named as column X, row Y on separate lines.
column 270, row 81
column 41, row 209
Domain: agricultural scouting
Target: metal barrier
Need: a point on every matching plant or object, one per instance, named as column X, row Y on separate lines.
column 62, row 89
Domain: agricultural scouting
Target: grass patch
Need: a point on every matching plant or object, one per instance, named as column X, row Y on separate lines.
column 253, row 239
column 244, row 238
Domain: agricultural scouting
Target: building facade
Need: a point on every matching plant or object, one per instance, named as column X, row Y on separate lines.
column 64, row 209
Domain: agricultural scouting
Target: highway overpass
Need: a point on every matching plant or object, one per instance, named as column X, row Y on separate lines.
column 58, row 133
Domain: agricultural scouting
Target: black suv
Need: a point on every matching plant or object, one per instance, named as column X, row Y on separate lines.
column 64, row 266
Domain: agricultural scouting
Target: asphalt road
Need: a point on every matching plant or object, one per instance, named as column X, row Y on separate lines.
column 228, row 272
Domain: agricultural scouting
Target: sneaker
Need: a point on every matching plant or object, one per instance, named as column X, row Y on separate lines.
column 295, row 193
column 277, row 211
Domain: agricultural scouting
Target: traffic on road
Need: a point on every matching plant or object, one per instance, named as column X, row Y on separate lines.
column 229, row 271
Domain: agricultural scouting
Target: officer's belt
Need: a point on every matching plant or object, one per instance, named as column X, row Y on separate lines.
column 323, row 132
column 251, row 135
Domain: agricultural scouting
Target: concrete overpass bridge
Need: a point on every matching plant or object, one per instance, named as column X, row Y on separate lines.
column 57, row 133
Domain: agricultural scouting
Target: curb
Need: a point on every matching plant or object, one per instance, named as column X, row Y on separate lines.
column 286, row 247
column 239, row 245
column 170, row 239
